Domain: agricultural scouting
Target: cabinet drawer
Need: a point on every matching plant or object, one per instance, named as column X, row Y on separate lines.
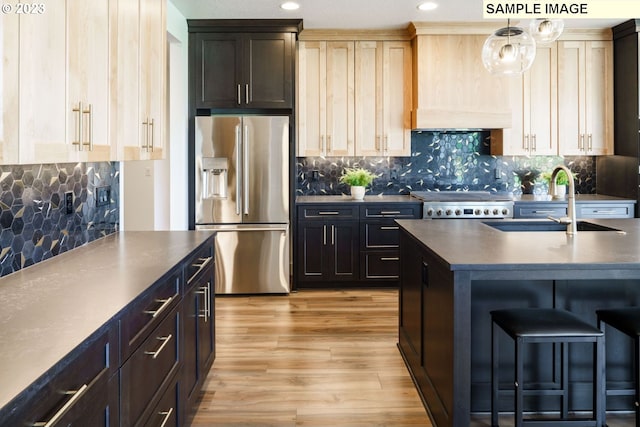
column 332, row 212
column 539, row 211
column 605, row 211
column 379, row 235
column 198, row 264
column 77, row 396
column 148, row 313
column 404, row 210
column 153, row 363
column 381, row 265
column 165, row 413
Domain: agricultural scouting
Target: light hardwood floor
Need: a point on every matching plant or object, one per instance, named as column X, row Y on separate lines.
column 314, row 358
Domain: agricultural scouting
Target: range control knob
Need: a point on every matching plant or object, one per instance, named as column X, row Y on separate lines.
column 495, row 211
column 477, row 212
column 505, row 211
column 429, row 212
column 486, row 211
column 458, row 212
column 448, row 212
column 439, row 212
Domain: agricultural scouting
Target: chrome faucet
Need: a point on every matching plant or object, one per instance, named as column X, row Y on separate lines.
column 570, row 219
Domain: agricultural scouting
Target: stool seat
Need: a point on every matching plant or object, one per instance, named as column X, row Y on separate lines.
column 626, row 320
column 543, row 322
column 546, row 325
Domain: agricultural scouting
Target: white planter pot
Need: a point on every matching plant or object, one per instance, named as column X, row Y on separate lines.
column 561, row 191
column 357, row 192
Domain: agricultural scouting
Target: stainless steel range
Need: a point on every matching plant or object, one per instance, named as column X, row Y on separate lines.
column 464, row 204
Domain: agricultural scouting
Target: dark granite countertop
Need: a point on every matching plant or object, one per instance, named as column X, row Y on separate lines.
column 580, row 198
column 48, row 309
column 472, row 245
column 347, row 199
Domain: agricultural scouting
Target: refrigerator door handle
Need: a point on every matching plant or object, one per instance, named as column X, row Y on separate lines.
column 238, row 172
column 245, row 169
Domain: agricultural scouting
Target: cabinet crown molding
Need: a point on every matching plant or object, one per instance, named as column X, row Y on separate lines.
column 486, row 28
column 353, row 35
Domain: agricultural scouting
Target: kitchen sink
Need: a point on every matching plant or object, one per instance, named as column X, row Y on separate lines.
column 528, row 225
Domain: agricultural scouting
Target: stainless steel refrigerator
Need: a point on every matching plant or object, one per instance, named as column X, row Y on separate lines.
column 242, row 191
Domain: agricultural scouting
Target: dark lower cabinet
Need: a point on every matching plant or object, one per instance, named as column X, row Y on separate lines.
column 199, row 331
column 350, row 243
column 166, row 413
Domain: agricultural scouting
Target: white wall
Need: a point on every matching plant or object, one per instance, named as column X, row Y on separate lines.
column 154, row 192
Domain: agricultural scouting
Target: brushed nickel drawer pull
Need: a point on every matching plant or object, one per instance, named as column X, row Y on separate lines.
column 165, row 304
column 606, row 212
column 165, row 341
column 167, row 415
column 390, row 259
column 328, row 213
column 543, row 211
column 390, row 213
column 200, row 265
column 76, row 394
column 389, row 228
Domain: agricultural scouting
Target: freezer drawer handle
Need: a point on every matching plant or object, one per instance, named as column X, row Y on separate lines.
column 76, row 394
column 165, row 341
column 165, row 303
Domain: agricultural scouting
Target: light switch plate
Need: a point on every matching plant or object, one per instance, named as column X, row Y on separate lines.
column 68, row 202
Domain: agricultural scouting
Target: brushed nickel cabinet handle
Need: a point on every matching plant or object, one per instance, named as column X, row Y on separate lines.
column 525, row 142
column 378, row 148
column 390, row 228
column 333, row 235
column 328, row 143
column 581, row 143
column 390, row 212
column 165, row 341
column 390, row 258
column 534, row 142
column 246, row 94
column 386, row 144
column 75, row 395
column 324, row 235
column 151, row 127
column 328, row 213
column 165, row 303
column 200, row 265
column 78, row 137
column 590, row 139
column 167, row 416
column 239, row 100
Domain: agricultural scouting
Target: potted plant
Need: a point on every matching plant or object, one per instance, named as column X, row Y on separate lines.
column 561, row 182
column 358, row 179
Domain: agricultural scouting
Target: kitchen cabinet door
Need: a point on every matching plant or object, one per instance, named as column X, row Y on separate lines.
column 140, row 92
column 383, row 98
column 42, row 111
column 585, row 97
column 326, row 112
column 9, row 101
column 534, row 96
column 88, row 61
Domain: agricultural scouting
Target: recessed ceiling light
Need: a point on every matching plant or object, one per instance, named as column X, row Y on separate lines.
column 290, row 5
column 428, row 5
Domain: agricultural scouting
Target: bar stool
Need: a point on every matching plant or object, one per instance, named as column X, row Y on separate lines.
column 542, row 325
column 627, row 321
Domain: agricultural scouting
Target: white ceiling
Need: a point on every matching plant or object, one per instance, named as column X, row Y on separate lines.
column 352, row 14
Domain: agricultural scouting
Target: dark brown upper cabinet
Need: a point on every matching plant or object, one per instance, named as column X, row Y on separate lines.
column 243, row 66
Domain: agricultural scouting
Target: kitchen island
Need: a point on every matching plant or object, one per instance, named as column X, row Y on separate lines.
column 455, row 272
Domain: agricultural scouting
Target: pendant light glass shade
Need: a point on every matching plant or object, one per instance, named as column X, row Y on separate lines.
column 545, row 31
column 508, row 51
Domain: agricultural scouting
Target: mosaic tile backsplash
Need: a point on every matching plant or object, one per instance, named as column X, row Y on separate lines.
column 458, row 161
column 33, row 222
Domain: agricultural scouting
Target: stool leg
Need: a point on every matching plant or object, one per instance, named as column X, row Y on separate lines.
column 637, row 372
column 495, row 384
column 519, row 384
column 599, row 388
column 564, row 382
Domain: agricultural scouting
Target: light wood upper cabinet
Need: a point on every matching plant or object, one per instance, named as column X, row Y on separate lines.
column 452, row 89
column 141, row 89
column 534, row 100
column 9, row 90
column 383, row 98
column 585, row 97
column 326, row 99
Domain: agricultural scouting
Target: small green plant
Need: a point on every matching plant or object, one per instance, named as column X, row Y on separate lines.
column 561, row 178
column 357, row 177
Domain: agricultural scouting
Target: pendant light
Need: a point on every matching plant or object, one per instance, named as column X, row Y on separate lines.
column 545, row 31
column 508, row 51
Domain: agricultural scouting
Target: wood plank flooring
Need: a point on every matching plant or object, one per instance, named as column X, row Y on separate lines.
column 313, row 358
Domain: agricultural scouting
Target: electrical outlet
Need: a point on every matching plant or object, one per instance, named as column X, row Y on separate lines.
column 393, row 174
column 68, row 202
column 315, row 175
column 496, row 173
column 103, row 196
